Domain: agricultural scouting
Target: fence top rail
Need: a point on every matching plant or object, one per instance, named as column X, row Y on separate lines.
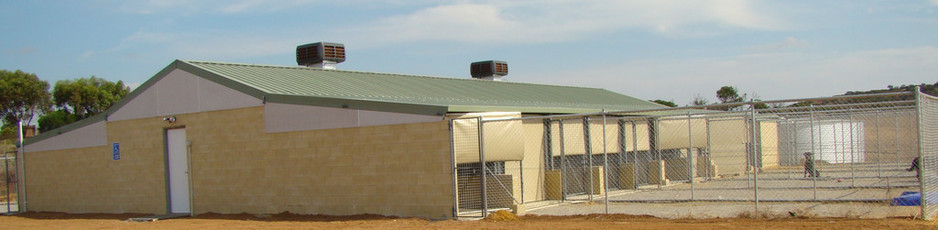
column 855, row 111
column 702, row 109
column 822, row 108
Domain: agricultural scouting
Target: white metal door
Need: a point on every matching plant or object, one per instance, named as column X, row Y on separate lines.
column 178, row 170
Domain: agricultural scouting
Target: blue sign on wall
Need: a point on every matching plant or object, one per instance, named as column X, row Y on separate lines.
column 117, row 151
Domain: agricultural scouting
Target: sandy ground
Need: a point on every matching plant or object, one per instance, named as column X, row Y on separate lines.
column 291, row 221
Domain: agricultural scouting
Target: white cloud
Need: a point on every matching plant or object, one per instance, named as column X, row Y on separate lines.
column 153, row 6
column 205, row 45
column 261, row 5
column 788, row 43
column 537, row 21
column 214, row 6
column 934, row 2
column 770, row 75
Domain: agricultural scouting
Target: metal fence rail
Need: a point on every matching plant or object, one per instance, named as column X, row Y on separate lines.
column 837, row 156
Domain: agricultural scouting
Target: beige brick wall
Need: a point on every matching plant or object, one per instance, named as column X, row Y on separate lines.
column 237, row 167
column 87, row 180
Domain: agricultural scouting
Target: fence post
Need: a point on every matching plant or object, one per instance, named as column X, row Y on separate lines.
column 605, row 166
column 853, row 157
column 755, row 168
column 21, row 173
column 634, row 156
column 482, row 162
column 657, row 138
column 620, row 127
column 691, row 156
column 455, row 171
column 793, row 143
column 921, row 154
column 6, row 178
column 879, row 149
column 563, row 164
column 813, row 151
column 589, row 154
column 709, row 163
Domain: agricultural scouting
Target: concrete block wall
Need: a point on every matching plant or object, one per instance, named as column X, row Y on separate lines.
column 87, row 180
column 400, row 170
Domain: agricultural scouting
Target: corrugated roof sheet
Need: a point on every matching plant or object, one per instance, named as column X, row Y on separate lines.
column 386, row 92
column 303, row 85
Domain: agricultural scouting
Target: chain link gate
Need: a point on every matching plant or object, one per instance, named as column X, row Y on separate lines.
column 487, row 177
column 8, row 187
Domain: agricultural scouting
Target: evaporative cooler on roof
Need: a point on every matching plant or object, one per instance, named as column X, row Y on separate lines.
column 489, row 70
column 320, row 54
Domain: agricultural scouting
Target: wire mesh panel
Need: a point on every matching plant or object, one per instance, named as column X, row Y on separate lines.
column 575, row 162
column 8, row 185
column 504, row 151
column 489, row 172
column 468, row 169
column 928, row 169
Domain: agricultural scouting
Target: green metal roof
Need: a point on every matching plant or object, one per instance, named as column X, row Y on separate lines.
column 405, row 93
column 385, row 92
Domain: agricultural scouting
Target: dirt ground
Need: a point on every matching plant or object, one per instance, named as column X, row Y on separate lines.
column 292, row 221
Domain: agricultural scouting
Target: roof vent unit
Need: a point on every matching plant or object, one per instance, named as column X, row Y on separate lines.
column 489, row 70
column 320, row 55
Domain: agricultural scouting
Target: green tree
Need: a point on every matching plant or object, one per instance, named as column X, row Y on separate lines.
column 55, row 119
column 7, row 132
column 665, row 103
column 87, row 97
column 699, row 100
column 728, row 94
column 22, row 95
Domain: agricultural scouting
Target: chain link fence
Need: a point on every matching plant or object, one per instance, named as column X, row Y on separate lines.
column 928, row 145
column 839, row 156
column 8, row 185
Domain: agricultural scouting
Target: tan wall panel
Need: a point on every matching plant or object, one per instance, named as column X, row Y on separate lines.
column 501, row 138
column 573, row 136
column 890, row 137
column 728, row 145
column 641, row 135
column 674, row 133
column 640, row 132
column 533, row 164
column 611, row 139
column 89, row 136
column 466, row 140
column 770, row 155
column 402, row 170
column 181, row 92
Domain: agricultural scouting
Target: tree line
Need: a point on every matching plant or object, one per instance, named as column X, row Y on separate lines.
column 725, row 95
column 23, row 97
column 729, row 94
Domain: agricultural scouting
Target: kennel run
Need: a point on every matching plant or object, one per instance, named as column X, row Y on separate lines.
column 861, row 148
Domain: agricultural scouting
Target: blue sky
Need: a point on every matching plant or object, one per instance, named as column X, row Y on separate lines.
column 671, row 50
